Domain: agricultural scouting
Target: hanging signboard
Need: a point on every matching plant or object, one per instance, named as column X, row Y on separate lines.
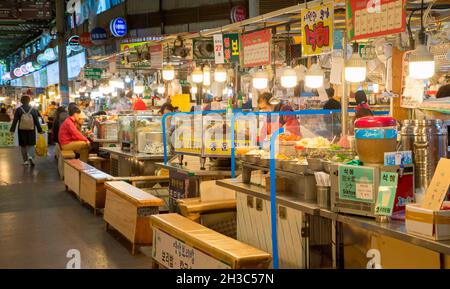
column 369, row 18
column 256, row 48
column 156, row 56
column 231, row 47
column 93, row 73
column 238, row 13
column 85, row 39
column 203, row 49
column 74, row 43
column 118, row 27
column 218, row 49
column 317, row 29
column 98, row 34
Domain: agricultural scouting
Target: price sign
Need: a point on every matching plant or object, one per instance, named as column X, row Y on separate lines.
column 438, row 188
column 176, row 254
column 356, row 183
column 256, row 48
column 386, row 194
column 218, row 49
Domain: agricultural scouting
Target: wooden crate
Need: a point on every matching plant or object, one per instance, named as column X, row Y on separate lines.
column 128, row 210
column 72, row 173
column 203, row 248
column 92, row 188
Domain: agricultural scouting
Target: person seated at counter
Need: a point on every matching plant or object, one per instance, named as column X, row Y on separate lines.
column 4, row 117
column 70, row 138
column 289, row 122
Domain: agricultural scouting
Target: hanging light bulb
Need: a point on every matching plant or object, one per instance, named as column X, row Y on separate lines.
column 194, row 90
column 197, row 75
column 113, row 81
column 139, row 86
column 289, row 78
column 161, row 89
column 168, row 72
column 355, row 68
column 220, row 74
column 120, row 84
column 206, row 76
column 127, row 78
column 260, row 80
column 314, row 76
column 421, row 63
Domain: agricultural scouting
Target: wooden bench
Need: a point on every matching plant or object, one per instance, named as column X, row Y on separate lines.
column 62, row 155
column 128, row 210
column 92, row 188
column 72, row 173
column 99, row 162
column 182, row 243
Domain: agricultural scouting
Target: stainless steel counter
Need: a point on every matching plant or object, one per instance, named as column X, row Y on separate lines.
column 137, row 156
column 193, row 168
column 394, row 229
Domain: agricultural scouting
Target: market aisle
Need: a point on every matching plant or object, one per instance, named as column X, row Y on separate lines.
column 40, row 222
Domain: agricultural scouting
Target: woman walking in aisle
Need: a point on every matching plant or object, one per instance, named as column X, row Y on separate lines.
column 27, row 118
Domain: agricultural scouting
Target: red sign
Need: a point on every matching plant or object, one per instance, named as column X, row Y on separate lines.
column 374, row 18
column 256, row 48
column 238, row 13
column 156, row 56
column 85, row 39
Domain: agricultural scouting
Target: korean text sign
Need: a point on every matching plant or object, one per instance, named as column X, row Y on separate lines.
column 370, row 18
column 356, row 183
column 317, row 29
column 256, row 48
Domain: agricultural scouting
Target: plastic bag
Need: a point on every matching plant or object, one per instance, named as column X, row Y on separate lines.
column 41, row 146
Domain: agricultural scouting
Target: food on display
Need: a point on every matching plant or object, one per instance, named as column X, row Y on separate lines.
column 316, row 142
column 289, row 137
column 154, row 148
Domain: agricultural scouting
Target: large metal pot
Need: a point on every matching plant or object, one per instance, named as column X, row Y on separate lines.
column 428, row 140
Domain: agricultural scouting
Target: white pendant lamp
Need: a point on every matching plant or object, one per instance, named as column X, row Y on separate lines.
column 260, row 80
column 421, row 61
column 139, row 86
column 168, row 72
column 161, row 89
column 197, row 75
column 127, row 78
column 194, row 90
column 288, row 78
column 355, row 68
column 220, row 74
column 314, row 76
column 206, row 76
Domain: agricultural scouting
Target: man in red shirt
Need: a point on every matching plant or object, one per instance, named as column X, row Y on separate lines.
column 70, row 138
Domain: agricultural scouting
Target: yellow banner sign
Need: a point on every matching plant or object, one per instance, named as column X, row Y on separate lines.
column 317, row 29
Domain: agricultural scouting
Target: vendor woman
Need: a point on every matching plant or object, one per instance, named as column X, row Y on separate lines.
column 289, row 122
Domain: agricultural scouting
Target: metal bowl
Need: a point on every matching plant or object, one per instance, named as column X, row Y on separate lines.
column 326, row 166
column 286, row 165
column 315, row 165
column 295, row 167
column 279, row 164
column 264, row 162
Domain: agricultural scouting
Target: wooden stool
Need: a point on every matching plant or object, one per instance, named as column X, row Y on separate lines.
column 92, row 188
column 128, row 210
column 62, row 156
column 72, row 173
column 178, row 240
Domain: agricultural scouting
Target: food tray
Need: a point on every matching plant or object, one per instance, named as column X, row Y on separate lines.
column 315, row 165
column 295, row 167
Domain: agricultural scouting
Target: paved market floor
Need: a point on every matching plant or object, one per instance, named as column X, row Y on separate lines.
column 40, row 222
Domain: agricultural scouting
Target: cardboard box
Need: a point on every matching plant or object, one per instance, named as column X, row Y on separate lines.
column 280, row 184
column 427, row 223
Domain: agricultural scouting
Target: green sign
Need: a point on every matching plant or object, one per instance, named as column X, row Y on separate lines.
column 356, row 183
column 93, row 73
column 386, row 194
column 231, row 47
column 6, row 138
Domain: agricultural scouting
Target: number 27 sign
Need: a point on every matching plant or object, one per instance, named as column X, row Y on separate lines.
column 317, row 29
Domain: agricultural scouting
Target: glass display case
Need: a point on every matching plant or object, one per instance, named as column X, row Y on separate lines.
column 106, row 127
column 142, row 131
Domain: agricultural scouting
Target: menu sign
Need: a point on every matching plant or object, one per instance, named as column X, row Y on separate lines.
column 317, row 29
column 438, row 188
column 386, row 194
column 256, row 48
column 156, row 56
column 368, row 18
column 356, row 183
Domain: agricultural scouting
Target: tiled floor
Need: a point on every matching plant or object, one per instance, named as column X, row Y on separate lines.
column 40, row 222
